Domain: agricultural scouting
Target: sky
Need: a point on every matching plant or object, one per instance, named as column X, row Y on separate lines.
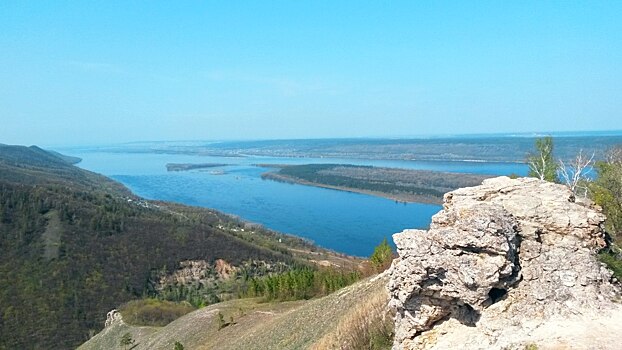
column 95, row 72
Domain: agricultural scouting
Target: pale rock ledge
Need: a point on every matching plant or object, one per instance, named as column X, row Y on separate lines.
column 504, row 265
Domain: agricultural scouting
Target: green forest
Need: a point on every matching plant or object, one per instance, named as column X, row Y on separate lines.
column 75, row 245
column 405, row 184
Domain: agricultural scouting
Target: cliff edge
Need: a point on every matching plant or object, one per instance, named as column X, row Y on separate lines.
column 508, row 264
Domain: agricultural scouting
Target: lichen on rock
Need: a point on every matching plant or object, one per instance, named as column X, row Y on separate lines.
column 498, row 262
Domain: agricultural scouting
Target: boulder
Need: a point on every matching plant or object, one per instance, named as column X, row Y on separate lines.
column 112, row 317
column 500, row 263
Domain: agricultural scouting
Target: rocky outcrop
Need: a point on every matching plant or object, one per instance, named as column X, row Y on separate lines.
column 113, row 317
column 223, row 269
column 500, row 263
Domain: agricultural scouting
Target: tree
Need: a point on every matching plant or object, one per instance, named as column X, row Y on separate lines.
column 542, row 165
column 126, row 340
column 575, row 173
column 382, row 256
column 178, row 346
column 606, row 191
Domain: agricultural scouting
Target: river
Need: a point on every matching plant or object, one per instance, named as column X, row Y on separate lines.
column 346, row 222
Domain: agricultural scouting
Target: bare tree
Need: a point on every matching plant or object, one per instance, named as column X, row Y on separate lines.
column 575, row 173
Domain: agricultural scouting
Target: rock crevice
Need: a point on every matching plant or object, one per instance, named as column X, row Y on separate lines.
column 524, row 245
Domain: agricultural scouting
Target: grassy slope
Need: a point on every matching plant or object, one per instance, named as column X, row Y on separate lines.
column 311, row 324
column 73, row 247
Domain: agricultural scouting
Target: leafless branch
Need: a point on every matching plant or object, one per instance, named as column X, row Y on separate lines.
column 575, row 174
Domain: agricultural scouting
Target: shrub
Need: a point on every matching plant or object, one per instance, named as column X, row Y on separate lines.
column 126, row 340
column 382, row 256
column 606, row 191
column 153, row 312
column 221, row 321
column 612, row 263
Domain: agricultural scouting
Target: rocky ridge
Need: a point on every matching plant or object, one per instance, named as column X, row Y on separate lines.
column 504, row 265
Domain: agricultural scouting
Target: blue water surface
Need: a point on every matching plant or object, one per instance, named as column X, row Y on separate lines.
column 346, row 222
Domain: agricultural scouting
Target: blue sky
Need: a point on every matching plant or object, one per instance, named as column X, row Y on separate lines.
column 84, row 72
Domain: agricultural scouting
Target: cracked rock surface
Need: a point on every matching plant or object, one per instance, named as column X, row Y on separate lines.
column 504, row 265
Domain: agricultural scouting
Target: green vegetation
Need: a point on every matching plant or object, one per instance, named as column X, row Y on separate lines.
column 542, row 164
column 382, row 256
column 606, row 191
column 153, row 312
column 301, row 283
column 178, row 346
column 76, row 245
column 126, row 341
column 399, row 184
column 221, row 320
column 613, row 263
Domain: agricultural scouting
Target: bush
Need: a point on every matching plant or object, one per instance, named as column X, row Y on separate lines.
column 153, row 312
column 612, row 263
column 606, row 191
column 126, row 340
column 382, row 256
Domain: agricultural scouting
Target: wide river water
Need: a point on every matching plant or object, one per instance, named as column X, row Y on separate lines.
column 342, row 221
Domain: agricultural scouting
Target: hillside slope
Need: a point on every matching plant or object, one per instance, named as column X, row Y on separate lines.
column 314, row 324
column 75, row 245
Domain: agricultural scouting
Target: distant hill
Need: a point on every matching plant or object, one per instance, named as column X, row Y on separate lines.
column 488, row 148
column 75, row 245
column 33, row 165
column 66, row 158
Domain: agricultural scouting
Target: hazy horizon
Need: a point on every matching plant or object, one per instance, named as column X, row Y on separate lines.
column 114, row 72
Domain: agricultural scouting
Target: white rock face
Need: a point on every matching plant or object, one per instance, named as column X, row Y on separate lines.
column 501, row 262
column 112, row 317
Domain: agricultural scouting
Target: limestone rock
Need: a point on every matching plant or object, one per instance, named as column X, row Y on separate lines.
column 224, row 269
column 113, row 317
column 499, row 262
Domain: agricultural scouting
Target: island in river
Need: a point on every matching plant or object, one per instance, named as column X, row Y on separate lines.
column 404, row 185
column 190, row 166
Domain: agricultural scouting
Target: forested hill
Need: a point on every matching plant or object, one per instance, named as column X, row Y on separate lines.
column 75, row 245
column 33, row 165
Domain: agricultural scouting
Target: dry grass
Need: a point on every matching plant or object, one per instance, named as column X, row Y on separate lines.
column 351, row 318
column 367, row 326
